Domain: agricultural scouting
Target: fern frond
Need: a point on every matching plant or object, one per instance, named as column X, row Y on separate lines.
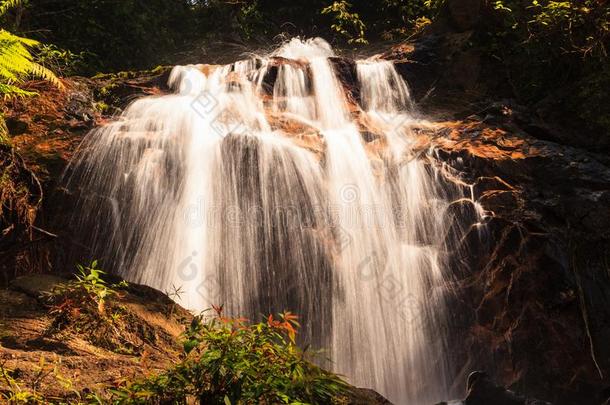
column 3, row 130
column 42, row 72
column 6, row 5
column 17, row 64
column 10, row 91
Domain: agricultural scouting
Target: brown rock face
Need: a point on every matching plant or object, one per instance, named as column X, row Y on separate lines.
column 534, row 297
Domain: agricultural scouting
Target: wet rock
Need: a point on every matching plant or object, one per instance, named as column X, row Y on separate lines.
column 346, row 72
column 80, row 105
column 605, row 396
column 462, row 214
column 465, row 69
column 504, row 199
column 120, row 89
column 483, row 391
column 365, row 396
column 486, row 183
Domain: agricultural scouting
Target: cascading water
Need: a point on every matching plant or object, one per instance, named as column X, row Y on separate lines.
column 268, row 185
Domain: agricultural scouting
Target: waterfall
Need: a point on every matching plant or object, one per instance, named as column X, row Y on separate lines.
column 271, row 184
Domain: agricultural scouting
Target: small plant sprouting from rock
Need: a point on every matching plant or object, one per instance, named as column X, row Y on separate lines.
column 230, row 361
column 88, row 292
column 83, row 305
column 174, row 294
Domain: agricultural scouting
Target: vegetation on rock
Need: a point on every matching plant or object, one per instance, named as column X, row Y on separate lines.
column 540, row 45
column 17, row 63
column 230, row 361
column 224, row 360
column 87, row 306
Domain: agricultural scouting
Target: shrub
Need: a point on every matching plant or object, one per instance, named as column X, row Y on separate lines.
column 229, row 361
column 546, row 46
column 59, row 60
column 346, row 23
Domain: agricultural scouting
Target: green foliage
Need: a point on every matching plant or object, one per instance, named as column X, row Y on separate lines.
column 13, row 393
column 548, row 45
column 27, row 392
column 251, row 20
column 112, row 35
column 229, row 361
column 346, row 23
column 135, row 34
column 59, row 60
column 16, row 62
column 7, row 5
column 17, row 65
column 88, row 292
column 395, row 19
column 84, row 306
column 574, row 26
column 591, row 101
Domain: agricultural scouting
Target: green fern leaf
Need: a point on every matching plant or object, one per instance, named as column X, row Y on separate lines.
column 6, row 5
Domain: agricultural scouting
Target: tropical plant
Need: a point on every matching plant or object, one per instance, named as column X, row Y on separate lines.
column 229, row 361
column 6, row 5
column 17, row 64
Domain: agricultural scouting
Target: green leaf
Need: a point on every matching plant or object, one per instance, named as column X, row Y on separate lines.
column 189, row 345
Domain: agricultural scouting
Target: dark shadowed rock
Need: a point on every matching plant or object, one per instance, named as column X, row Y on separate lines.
column 464, row 14
column 365, row 396
column 16, row 126
column 537, row 292
column 483, row 391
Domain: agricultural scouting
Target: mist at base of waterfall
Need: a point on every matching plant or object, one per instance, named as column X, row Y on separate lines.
column 270, row 185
